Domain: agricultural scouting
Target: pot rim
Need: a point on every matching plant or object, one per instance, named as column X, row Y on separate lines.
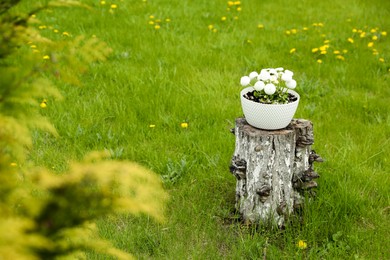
column 291, row 91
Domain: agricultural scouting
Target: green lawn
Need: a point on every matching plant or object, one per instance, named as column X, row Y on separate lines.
column 180, row 61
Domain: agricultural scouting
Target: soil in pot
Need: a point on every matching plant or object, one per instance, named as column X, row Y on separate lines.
column 250, row 95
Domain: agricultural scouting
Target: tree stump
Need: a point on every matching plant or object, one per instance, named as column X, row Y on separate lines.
column 273, row 169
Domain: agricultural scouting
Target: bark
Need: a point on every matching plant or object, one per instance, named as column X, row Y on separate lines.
column 272, row 169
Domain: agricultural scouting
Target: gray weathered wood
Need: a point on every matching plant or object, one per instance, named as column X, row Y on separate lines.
column 272, row 169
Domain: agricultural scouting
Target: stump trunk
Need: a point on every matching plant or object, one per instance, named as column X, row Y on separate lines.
column 272, row 169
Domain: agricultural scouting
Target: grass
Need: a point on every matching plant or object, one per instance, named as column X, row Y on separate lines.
column 189, row 71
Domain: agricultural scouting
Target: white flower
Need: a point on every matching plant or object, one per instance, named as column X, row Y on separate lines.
column 272, row 72
column 245, row 81
column 269, row 89
column 264, row 75
column 289, row 72
column 286, row 77
column 279, row 69
column 259, row 85
column 291, row 84
column 253, row 75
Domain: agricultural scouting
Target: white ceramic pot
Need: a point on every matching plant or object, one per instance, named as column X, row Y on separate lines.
column 268, row 116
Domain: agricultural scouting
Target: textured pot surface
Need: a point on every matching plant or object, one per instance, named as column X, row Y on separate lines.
column 268, row 116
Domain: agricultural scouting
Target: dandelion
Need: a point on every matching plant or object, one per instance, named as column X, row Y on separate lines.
column 152, row 126
column 314, row 50
column 363, row 34
column 260, row 26
column 294, row 31
column 210, row 27
column 184, row 125
column 157, row 27
column 305, row 28
column 354, row 30
column 151, row 16
column 237, row 2
column 336, row 52
column 319, row 61
column 223, row 18
column 350, row 40
column 381, row 59
column 345, row 51
column 46, row 57
column 41, row 27
column 66, row 34
column 114, row 6
column 323, row 52
column 288, row 32
column 13, row 164
column 370, row 44
column 374, row 38
column 35, row 51
column 383, row 33
column 43, row 103
column 239, row 9
column 320, row 24
column 55, row 31
column 373, row 30
column 33, row 46
column 375, row 52
column 151, row 22
column 168, row 20
column 235, row 18
column 102, row 2
column 340, row 57
column 302, row 244
column 292, row 50
column 215, row 30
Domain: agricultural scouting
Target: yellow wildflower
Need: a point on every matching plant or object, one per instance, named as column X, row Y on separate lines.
column 293, row 50
column 323, row 52
column 102, row 2
column 326, row 41
column 46, row 57
column 336, row 52
column 230, row 3
column 350, row 40
column 305, row 28
column 168, row 20
column 237, row 2
column 373, row 30
column 314, row 50
column 239, row 9
column 13, row 164
column 381, row 59
column 114, row 6
column 215, row 30
column 320, row 24
column 319, row 61
column 345, row 51
column 354, row 30
column 370, row 44
column 41, row 27
column 151, row 16
column 210, row 27
column 288, row 32
column 374, row 38
column 33, row 46
column 223, row 18
column 383, row 33
column 151, row 22
column 324, row 47
column 315, row 24
column 157, row 27
column 152, row 126
column 302, row 244
column 184, row 125
column 363, row 34
column 235, row 17
column 294, row 31
column 65, row 33
column 260, row 26
column 55, row 31
column 35, row 51
column 340, row 57
column 43, row 103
